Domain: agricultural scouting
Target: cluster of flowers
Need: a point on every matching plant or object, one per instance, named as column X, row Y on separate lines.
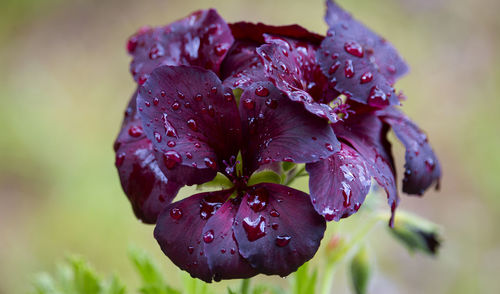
column 236, row 99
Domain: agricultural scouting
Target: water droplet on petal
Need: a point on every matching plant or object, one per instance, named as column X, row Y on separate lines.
column 176, row 105
column 156, row 101
column 132, row 44
column 255, row 229
column 329, row 147
column 283, row 240
column 190, row 249
column 354, row 48
column 348, row 69
column 274, row 213
column 120, row 157
column 220, row 50
column 192, row 124
column 261, row 91
column 366, row 77
column 171, row 144
column 176, row 213
column 228, row 96
column 334, row 67
column 208, row 236
column 135, row 131
column 257, row 199
column 171, row 158
column 271, row 103
column 157, row 137
column 248, row 103
column 210, row 163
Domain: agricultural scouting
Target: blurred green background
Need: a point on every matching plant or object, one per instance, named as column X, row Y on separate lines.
column 64, row 84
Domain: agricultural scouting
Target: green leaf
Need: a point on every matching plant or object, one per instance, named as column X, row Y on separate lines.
column 360, row 269
column 229, row 291
column 114, row 286
column 245, row 286
column 85, row 280
column 220, row 181
column 265, row 176
column 44, row 284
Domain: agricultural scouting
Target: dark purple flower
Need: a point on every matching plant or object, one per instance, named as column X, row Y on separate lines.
column 234, row 100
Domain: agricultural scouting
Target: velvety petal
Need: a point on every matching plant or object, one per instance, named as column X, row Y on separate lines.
column 191, row 119
column 422, row 167
column 146, row 187
column 368, row 136
column 363, row 65
column 277, row 129
column 179, row 231
column 202, row 38
column 385, row 56
column 242, row 66
column 339, row 184
column 292, row 67
column 277, row 229
column 221, row 249
column 255, row 32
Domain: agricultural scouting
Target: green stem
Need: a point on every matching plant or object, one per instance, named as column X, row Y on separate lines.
column 300, row 173
column 245, row 286
column 347, row 250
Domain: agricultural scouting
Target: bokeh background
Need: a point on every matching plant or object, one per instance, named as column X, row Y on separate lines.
column 64, row 84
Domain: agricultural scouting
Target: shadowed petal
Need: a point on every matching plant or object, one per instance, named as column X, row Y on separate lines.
column 368, row 136
column 255, row 32
column 422, row 167
column 242, row 66
column 277, row 129
column 338, row 185
column 221, row 249
column 179, row 231
column 191, row 119
column 363, row 65
column 202, row 38
column 146, row 187
column 277, row 229
column 292, row 67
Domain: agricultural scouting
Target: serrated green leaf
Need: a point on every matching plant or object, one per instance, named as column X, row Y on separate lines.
column 114, row 286
column 44, row 284
column 85, row 280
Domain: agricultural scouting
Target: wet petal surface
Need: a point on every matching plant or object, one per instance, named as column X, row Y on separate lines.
column 146, row 187
column 339, row 184
column 202, row 38
column 422, row 167
column 192, row 120
column 277, row 229
column 277, row 129
column 363, row 65
column 179, row 231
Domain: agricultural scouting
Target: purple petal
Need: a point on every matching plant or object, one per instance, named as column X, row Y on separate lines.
column 339, row 184
column 277, row 229
column 277, row 129
column 368, row 136
column 202, row 38
column 255, row 32
column 422, row 167
column 221, row 249
column 146, row 187
column 292, row 67
column 363, row 65
column 242, row 66
column 179, row 231
column 191, row 119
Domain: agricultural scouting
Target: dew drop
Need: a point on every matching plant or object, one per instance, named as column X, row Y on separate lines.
column 198, row 97
column 176, row 105
column 274, row 213
column 249, row 103
column 156, row 51
column 132, row 44
column 208, row 236
column 334, row 67
column 189, row 155
column 275, row 226
column 348, row 69
column 228, row 96
column 261, row 91
column 220, row 50
column 156, row 101
column 366, row 77
column 190, row 249
column 271, row 103
column 176, row 213
column 135, row 131
column 254, row 229
column 354, row 48
column 171, row 144
column 157, row 137
column 258, row 199
column 142, row 79
column 120, row 157
column 171, row 158
column 329, row 147
column 192, row 124
column 210, row 163
column 283, row 240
